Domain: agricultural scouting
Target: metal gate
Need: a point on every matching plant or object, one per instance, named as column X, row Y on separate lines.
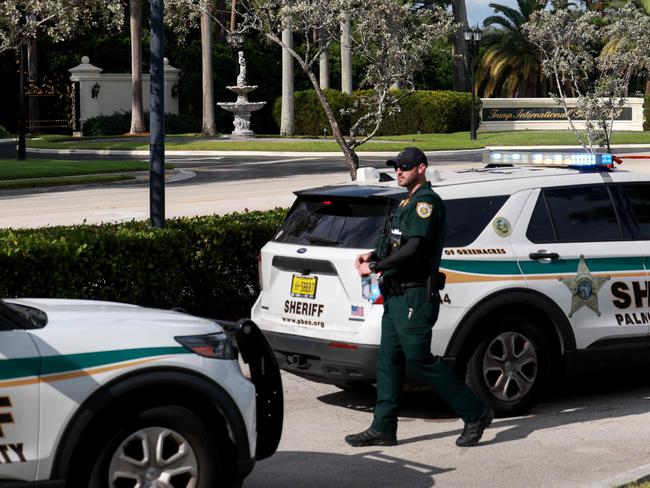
column 52, row 104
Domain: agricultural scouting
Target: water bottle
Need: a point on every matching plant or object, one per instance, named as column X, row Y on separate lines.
column 370, row 287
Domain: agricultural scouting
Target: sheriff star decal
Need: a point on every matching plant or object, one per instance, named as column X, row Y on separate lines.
column 584, row 287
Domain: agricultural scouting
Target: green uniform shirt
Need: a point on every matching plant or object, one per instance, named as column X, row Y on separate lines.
column 419, row 215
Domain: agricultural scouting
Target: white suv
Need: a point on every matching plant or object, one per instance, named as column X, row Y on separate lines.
column 546, row 268
column 99, row 394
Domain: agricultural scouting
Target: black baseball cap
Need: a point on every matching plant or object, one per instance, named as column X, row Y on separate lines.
column 409, row 157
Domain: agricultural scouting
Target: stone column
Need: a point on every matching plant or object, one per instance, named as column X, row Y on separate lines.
column 90, row 89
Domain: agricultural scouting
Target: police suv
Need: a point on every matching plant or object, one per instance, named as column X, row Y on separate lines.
column 100, row 394
column 546, row 260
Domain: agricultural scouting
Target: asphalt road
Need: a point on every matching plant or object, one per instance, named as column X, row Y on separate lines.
column 589, row 429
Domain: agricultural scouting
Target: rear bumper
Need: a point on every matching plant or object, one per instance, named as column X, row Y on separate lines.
column 324, row 360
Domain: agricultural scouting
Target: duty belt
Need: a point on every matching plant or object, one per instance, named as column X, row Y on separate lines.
column 413, row 284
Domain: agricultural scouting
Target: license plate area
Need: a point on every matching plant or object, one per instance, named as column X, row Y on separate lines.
column 303, row 286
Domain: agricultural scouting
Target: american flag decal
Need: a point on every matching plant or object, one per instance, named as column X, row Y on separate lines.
column 357, row 311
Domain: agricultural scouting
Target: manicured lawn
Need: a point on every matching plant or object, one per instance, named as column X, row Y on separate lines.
column 11, row 169
column 430, row 142
column 61, row 181
column 53, row 172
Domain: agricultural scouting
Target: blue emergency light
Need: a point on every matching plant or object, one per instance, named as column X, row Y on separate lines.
column 582, row 161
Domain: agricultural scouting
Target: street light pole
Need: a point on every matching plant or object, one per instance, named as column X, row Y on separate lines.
column 473, row 40
column 157, row 118
column 22, row 125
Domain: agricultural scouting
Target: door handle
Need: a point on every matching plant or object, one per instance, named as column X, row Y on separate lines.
column 544, row 255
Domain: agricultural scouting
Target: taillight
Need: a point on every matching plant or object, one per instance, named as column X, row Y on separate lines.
column 343, row 345
column 379, row 300
column 259, row 269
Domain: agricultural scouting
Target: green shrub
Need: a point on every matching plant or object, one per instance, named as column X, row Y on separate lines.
column 206, row 265
column 120, row 123
column 430, row 112
column 310, row 118
column 108, row 125
column 646, row 113
column 423, row 111
column 4, row 133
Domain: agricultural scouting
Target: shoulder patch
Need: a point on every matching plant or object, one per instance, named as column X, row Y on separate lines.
column 423, row 209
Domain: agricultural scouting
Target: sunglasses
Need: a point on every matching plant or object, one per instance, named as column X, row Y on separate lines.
column 404, row 167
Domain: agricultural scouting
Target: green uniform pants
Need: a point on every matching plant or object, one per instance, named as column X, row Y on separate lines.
column 406, row 338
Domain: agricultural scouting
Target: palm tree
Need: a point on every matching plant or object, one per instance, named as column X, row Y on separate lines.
column 287, row 116
column 615, row 44
column 207, row 127
column 459, row 47
column 509, row 66
column 137, row 111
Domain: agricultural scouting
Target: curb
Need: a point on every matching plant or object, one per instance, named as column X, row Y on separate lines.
column 328, row 154
column 142, row 152
column 640, row 474
column 6, row 141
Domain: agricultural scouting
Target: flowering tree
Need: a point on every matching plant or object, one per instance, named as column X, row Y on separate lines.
column 391, row 37
column 22, row 20
column 569, row 42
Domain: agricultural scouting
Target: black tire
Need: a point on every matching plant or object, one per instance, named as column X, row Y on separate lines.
column 179, row 428
column 511, row 366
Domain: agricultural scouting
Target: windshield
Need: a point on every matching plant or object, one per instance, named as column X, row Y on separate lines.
column 325, row 221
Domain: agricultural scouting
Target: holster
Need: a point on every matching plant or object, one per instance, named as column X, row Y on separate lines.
column 435, row 283
column 390, row 287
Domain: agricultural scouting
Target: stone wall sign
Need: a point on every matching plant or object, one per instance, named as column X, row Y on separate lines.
column 544, row 113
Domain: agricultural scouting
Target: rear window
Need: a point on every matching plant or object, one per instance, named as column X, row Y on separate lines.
column 467, row 217
column 334, row 222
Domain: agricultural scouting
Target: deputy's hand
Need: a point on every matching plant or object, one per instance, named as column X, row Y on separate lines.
column 364, row 269
column 362, row 258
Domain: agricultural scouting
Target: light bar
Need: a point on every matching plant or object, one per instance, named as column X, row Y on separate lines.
column 536, row 158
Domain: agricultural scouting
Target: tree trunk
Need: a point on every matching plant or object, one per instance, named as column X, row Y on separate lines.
column 647, row 87
column 137, row 112
column 287, row 114
column 459, row 48
column 324, row 69
column 207, row 127
column 346, row 56
column 351, row 158
column 223, row 19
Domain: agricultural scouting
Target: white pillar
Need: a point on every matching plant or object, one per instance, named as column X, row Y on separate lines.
column 346, row 57
column 286, row 115
column 90, row 89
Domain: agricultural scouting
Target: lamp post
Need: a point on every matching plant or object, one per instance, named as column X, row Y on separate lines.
column 472, row 40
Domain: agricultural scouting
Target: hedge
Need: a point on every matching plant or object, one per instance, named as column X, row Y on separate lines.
column 423, row 111
column 431, row 112
column 206, row 265
column 309, row 116
column 4, row 133
column 120, row 123
column 646, row 113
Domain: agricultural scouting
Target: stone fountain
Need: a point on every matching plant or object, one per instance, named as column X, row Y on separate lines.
column 242, row 108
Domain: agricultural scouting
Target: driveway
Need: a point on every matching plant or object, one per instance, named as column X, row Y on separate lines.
column 590, row 429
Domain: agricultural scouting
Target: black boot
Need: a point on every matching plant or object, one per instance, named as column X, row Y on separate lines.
column 474, row 430
column 370, row 437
